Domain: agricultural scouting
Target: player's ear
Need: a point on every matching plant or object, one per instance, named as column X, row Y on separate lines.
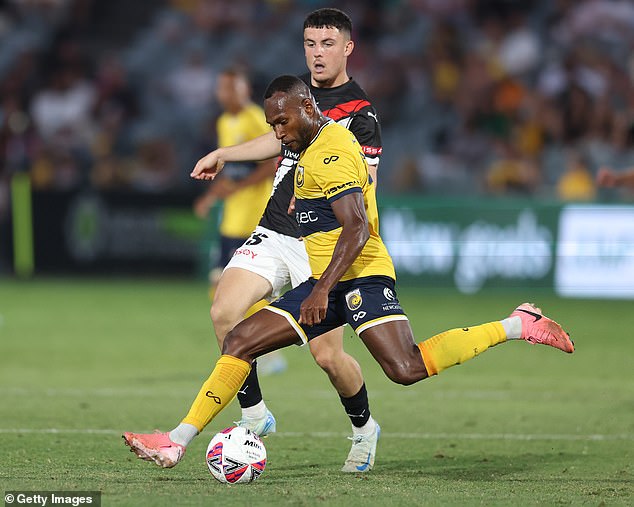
column 309, row 106
column 347, row 51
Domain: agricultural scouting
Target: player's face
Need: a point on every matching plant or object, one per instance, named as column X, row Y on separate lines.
column 290, row 119
column 232, row 92
column 327, row 51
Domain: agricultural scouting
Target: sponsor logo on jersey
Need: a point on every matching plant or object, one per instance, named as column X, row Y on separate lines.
column 245, row 251
column 299, row 176
column 354, row 299
column 331, row 158
column 304, row 217
column 336, row 188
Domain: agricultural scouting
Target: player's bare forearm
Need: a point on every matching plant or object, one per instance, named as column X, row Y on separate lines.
column 260, row 148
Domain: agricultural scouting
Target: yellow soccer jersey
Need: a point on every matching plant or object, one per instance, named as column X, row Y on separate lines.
column 243, row 209
column 331, row 167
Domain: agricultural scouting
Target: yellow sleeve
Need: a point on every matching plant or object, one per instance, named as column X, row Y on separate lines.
column 337, row 172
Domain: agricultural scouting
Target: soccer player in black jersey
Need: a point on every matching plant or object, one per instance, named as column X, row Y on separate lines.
column 274, row 255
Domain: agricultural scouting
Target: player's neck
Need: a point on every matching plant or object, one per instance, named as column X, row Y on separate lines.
column 339, row 80
column 318, row 123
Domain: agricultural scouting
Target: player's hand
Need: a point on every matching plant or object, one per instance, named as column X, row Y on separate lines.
column 606, row 177
column 291, row 206
column 314, row 307
column 208, row 167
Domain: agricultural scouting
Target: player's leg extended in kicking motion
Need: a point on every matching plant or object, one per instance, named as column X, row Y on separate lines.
column 261, row 333
column 238, row 291
column 390, row 343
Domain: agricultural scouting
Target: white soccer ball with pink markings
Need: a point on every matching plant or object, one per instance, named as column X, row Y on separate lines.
column 236, row 456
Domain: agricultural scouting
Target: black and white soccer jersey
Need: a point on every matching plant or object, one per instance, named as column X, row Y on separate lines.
column 349, row 106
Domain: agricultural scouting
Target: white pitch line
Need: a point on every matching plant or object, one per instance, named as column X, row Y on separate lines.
column 330, row 434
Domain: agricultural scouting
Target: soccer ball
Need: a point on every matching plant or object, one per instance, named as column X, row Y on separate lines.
column 236, row 455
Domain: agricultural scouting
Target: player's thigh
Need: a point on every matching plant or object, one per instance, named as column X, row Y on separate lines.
column 264, row 254
column 238, row 289
column 263, row 332
column 393, row 346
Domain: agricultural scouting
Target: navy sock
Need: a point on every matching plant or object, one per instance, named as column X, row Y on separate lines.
column 357, row 407
column 250, row 394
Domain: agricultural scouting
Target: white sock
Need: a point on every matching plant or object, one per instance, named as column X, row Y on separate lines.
column 366, row 429
column 513, row 327
column 183, row 434
column 257, row 411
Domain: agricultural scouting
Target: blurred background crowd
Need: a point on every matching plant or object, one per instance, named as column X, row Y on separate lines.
column 492, row 96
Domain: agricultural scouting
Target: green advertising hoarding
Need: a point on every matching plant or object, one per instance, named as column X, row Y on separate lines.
column 471, row 244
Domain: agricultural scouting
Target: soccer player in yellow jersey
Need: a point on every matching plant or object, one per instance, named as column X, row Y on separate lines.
column 352, row 278
column 244, row 186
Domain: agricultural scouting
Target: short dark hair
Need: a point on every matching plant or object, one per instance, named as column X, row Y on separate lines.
column 329, row 17
column 287, row 84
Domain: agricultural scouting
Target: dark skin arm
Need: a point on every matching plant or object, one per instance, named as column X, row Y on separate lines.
column 350, row 213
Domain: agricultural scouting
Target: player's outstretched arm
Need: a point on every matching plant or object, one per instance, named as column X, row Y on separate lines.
column 259, row 148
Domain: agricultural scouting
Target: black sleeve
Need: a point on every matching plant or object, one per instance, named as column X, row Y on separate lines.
column 365, row 126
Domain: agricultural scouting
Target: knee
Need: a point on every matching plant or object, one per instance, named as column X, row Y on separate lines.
column 325, row 357
column 236, row 345
column 223, row 318
column 217, row 313
column 404, row 372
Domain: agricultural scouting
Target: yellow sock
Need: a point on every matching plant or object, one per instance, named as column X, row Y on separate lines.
column 256, row 307
column 459, row 345
column 217, row 391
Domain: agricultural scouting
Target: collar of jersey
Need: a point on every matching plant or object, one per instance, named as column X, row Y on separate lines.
column 319, row 131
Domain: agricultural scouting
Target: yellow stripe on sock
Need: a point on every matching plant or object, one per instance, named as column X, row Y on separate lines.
column 218, row 391
column 459, row 345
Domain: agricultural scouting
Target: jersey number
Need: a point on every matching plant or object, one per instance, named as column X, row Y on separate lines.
column 255, row 239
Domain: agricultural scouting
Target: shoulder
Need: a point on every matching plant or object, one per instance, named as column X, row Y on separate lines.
column 336, row 135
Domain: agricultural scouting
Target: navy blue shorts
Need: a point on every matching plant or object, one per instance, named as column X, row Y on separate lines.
column 362, row 303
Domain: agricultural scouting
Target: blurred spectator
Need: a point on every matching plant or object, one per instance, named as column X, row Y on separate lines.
column 191, row 85
column 62, row 111
column 490, row 93
column 510, row 172
column 577, row 182
column 154, row 166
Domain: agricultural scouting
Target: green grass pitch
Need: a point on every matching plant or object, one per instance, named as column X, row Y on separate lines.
column 83, row 361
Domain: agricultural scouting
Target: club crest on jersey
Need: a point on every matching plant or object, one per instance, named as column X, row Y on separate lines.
column 354, row 300
column 389, row 295
column 299, row 176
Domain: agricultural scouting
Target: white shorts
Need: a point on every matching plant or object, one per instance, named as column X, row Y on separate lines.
column 279, row 258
